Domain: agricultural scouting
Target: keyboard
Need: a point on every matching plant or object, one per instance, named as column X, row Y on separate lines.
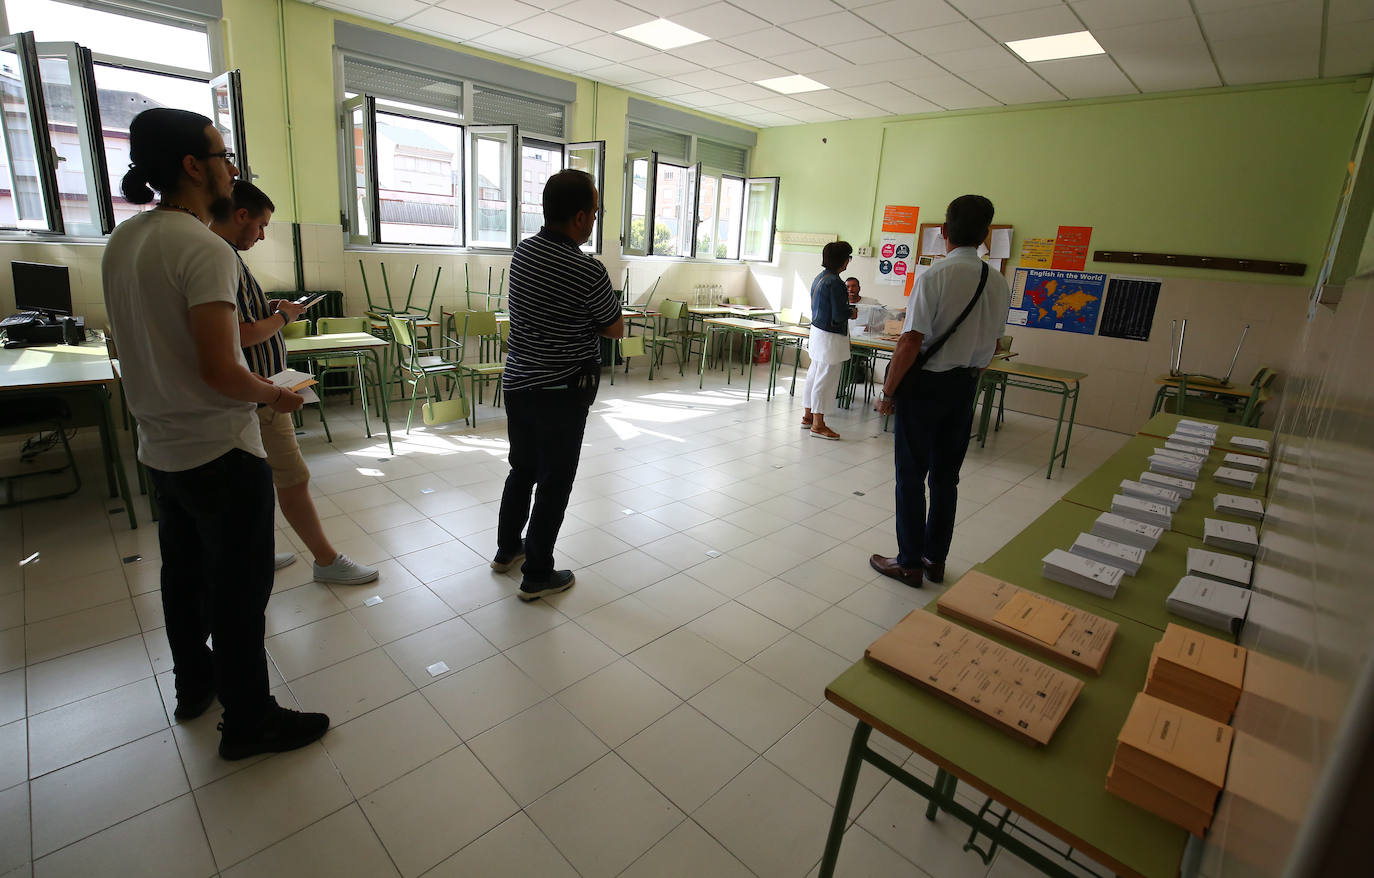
column 20, row 319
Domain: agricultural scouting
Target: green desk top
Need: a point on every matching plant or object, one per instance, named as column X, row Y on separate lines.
column 1097, row 489
column 1140, row 598
column 1062, row 786
column 339, row 341
column 1030, row 370
column 1165, row 423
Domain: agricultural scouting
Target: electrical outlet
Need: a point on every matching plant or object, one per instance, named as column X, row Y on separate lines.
column 864, row 251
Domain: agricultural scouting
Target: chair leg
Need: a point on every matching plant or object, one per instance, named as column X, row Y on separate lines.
column 323, row 420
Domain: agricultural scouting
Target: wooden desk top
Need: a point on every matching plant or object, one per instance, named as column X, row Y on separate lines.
column 55, row 366
column 1030, row 370
column 1197, row 382
column 731, row 309
column 742, row 324
column 341, row 341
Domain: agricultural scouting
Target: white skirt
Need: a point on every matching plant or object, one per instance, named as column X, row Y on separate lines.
column 828, row 347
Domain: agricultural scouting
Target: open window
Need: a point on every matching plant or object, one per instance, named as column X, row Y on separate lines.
column 418, row 166
column 75, row 140
column 359, row 141
column 226, row 95
column 590, row 156
column 641, row 170
column 539, row 160
column 493, row 168
column 760, row 219
column 720, row 215
column 672, row 220
column 28, row 174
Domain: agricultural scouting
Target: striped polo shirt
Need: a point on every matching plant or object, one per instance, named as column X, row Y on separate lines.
column 268, row 357
column 559, row 299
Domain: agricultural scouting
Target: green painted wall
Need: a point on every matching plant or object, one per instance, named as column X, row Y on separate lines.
column 1240, row 172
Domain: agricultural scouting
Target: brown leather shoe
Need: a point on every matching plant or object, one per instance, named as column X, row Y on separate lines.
column 890, row 567
column 934, row 572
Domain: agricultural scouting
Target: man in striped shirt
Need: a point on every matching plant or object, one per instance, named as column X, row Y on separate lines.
column 561, row 305
column 261, row 321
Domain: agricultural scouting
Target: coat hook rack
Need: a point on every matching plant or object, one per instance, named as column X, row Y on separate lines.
column 1219, row 263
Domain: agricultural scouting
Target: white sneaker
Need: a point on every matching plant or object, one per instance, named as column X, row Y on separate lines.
column 344, row 571
column 283, row 559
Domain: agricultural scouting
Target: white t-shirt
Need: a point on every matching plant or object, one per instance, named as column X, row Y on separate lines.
column 158, row 265
column 940, row 296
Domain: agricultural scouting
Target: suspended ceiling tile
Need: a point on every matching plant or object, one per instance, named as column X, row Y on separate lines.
column 719, row 20
column 769, row 42
column 1225, row 5
column 860, row 110
column 619, row 74
column 772, row 120
column 663, row 88
column 838, row 27
column 707, row 79
column 1014, row 85
column 833, row 101
column 812, row 60
column 607, row 15
column 514, row 44
column 734, row 108
column 863, row 74
column 664, row 64
column 1347, row 11
column 753, row 71
column 503, row 13
column 1176, row 69
column 665, row 8
column 556, row 28
column 984, row 8
column 1284, row 18
column 568, row 59
column 896, row 16
column 892, row 98
column 614, row 48
column 1276, row 58
column 946, row 38
column 1103, row 14
column 948, row 91
column 381, row 10
column 1094, row 76
column 814, row 114
column 1031, row 23
column 746, row 92
column 782, row 11
column 873, row 49
column 711, row 54
column 969, row 60
column 779, row 104
column 1153, row 36
column 702, row 99
column 1349, row 49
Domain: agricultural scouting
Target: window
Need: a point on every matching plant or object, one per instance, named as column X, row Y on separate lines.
column 689, row 196
column 433, row 159
column 84, row 71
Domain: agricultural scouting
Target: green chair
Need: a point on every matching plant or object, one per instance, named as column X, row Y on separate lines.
column 481, row 325
column 424, row 366
column 299, row 329
column 356, row 367
column 675, row 333
column 789, row 317
column 632, row 346
column 26, row 415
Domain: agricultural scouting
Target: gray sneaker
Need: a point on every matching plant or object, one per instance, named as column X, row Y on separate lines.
column 283, row 559
column 344, row 571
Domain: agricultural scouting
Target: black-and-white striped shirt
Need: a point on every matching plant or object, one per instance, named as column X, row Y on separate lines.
column 267, row 357
column 559, row 299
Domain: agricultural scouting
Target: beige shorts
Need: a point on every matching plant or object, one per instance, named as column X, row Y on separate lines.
column 283, row 452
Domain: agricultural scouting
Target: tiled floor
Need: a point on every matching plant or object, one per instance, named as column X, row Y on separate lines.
column 664, row 717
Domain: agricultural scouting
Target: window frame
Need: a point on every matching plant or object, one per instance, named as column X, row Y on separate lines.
column 599, row 176
column 471, row 180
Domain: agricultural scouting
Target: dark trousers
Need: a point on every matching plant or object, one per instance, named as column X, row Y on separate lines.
column 545, row 428
column 934, row 417
column 216, row 534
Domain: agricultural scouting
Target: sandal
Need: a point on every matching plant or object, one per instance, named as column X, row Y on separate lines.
column 824, row 433
column 806, row 422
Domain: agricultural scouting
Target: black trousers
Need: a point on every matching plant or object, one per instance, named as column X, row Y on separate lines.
column 545, row 429
column 934, row 418
column 216, row 535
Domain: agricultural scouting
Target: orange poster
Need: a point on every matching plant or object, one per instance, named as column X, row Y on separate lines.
column 897, row 246
column 1071, row 248
column 900, row 218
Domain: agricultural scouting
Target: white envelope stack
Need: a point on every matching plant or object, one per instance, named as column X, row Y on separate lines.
column 1080, row 572
column 1234, row 504
column 1128, row 558
column 1229, row 475
column 1229, row 569
column 1209, row 602
column 1242, row 538
column 1127, row 530
column 1140, row 509
column 1176, row 463
column 1153, row 493
column 1247, row 462
column 1259, row 445
column 1184, row 487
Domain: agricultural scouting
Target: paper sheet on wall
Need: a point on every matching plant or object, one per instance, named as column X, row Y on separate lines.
column 1068, row 301
column 897, row 246
column 1071, row 247
column 932, row 242
column 1001, row 244
column 1037, row 252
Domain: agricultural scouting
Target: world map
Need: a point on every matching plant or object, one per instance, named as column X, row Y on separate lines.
column 1068, row 301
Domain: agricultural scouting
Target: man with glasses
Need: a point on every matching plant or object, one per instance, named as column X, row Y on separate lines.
column 170, row 288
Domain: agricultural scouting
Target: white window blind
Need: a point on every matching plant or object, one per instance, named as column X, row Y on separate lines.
column 366, row 76
column 723, row 157
column 532, row 115
column 669, row 145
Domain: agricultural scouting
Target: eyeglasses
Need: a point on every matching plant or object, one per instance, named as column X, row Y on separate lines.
column 227, row 155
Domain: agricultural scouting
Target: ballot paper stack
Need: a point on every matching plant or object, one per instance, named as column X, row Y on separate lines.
column 1197, row 671
column 1153, row 493
column 1229, row 475
column 1260, row 446
column 1101, row 549
column 1247, row 462
column 1144, row 510
column 1080, row 572
column 1212, row 603
column 1127, row 530
column 1190, row 441
column 1176, row 463
column 1231, row 535
column 1184, row 487
column 1197, row 428
column 1171, row 762
column 1220, row 567
column 1234, row 504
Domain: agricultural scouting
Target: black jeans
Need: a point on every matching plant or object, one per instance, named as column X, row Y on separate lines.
column 545, row 428
column 934, row 418
column 216, row 533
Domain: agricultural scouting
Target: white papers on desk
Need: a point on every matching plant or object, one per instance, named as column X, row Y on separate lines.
column 1189, row 442
column 1260, row 445
column 1170, row 465
column 1101, row 549
column 1001, row 244
column 932, row 242
column 1080, row 572
column 1229, row 475
column 1184, row 487
column 1245, row 462
column 1229, row 569
column 1153, row 493
column 1234, row 504
column 1242, row 538
column 1209, row 602
column 1144, row 510
column 1127, row 530
column 1197, row 427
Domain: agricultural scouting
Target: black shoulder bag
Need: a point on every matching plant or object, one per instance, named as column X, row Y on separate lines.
column 925, row 355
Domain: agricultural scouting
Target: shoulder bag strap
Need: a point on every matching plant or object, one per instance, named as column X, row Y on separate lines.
column 935, row 346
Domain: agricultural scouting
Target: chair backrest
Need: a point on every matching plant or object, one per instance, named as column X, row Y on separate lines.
column 478, row 323
column 1004, row 344
column 632, row 346
column 299, row 329
column 503, row 330
column 339, row 325
column 1264, row 378
column 672, row 309
column 400, row 331
column 788, row 315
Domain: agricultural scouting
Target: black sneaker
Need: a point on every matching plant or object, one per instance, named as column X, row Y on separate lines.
column 501, row 563
column 532, row 589
column 191, row 706
column 278, row 731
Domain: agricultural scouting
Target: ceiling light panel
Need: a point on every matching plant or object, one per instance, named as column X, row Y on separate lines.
column 662, row 34
column 790, row 85
column 1072, row 45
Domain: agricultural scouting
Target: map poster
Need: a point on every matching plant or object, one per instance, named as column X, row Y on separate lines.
column 1067, row 301
column 897, row 247
column 1037, row 252
column 1071, row 247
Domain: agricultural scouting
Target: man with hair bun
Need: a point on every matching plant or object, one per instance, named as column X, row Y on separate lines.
column 170, row 286
column 956, row 313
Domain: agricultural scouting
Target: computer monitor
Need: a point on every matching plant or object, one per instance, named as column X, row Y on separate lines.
column 45, row 288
